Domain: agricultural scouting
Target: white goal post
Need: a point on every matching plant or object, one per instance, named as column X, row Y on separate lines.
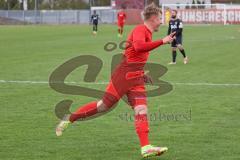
column 202, row 13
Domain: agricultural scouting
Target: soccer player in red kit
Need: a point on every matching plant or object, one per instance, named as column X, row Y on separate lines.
column 121, row 16
column 128, row 79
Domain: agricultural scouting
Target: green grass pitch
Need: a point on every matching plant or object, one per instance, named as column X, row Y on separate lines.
column 27, row 117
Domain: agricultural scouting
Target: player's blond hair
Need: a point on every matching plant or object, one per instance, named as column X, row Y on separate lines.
column 150, row 10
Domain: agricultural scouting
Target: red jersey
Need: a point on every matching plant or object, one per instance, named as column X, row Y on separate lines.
column 127, row 78
column 139, row 43
column 121, row 16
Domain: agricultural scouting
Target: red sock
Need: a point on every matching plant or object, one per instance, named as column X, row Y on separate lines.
column 85, row 111
column 142, row 129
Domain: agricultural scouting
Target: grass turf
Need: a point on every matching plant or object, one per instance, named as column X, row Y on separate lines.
column 27, row 117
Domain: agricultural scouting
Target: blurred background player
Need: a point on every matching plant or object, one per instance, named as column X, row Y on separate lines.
column 94, row 19
column 167, row 15
column 176, row 25
column 121, row 16
column 128, row 79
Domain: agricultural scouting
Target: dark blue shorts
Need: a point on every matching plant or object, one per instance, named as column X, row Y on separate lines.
column 95, row 23
column 177, row 41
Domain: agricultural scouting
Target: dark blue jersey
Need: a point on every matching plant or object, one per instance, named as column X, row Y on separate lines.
column 175, row 25
column 95, row 18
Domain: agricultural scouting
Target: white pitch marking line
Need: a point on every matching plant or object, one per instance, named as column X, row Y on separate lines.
column 104, row 83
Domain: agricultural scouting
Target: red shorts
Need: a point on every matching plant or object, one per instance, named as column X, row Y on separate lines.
column 129, row 84
column 120, row 24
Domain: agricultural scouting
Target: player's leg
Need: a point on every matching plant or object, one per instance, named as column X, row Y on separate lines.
column 174, row 54
column 95, row 27
column 120, row 29
column 91, row 109
column 88, row 110
column 137, row 99
column 121, row 32
column 141, row 124
column 85, row 111
column 181, row 49
column 142, row 129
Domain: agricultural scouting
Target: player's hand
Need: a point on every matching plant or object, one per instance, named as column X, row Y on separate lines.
column 169, row 38
column 147, row 79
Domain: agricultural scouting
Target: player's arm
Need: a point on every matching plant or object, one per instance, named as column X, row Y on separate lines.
column 169, row 28
column 91, row 20
column 140, row 45
column 99, row 18
column 180, row 28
